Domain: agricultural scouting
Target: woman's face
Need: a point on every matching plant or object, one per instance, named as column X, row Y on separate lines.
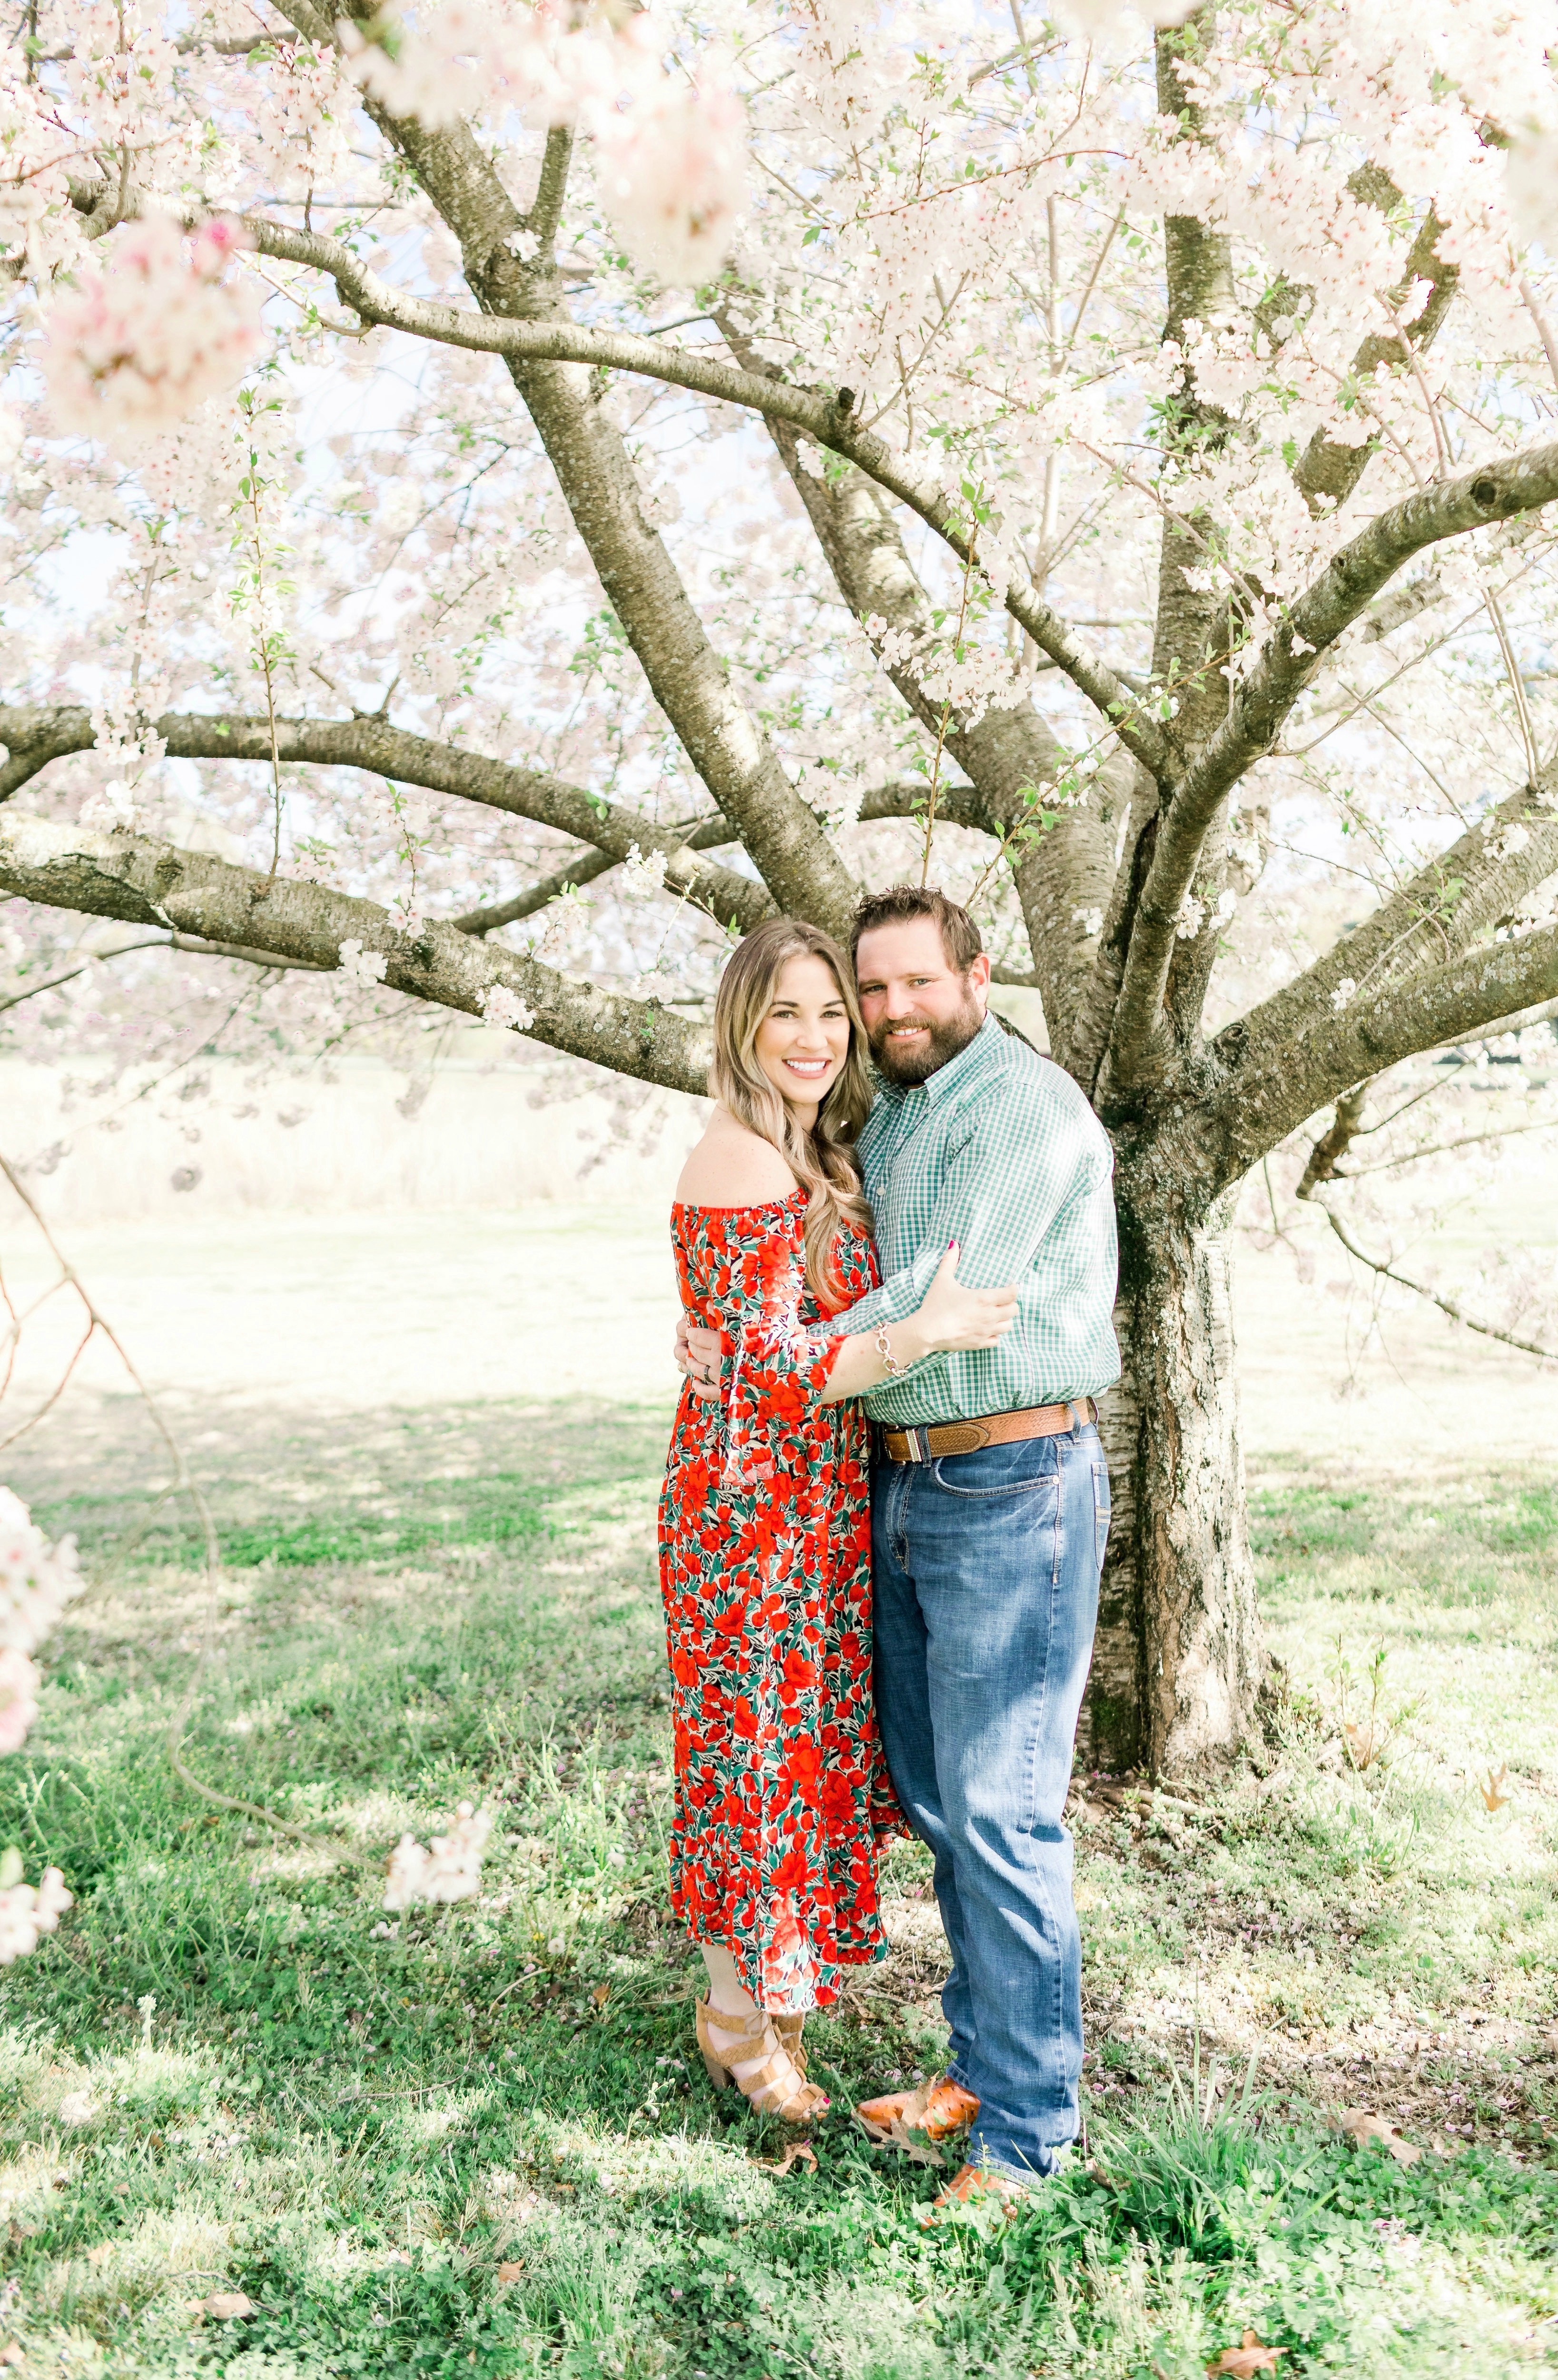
column 805, row 1039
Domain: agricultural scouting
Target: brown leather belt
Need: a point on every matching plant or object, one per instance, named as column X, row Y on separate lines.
column 938, row 1437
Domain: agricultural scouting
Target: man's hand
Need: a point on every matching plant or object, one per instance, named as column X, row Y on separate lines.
column 699, row 1353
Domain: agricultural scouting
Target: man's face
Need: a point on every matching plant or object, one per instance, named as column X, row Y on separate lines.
column 918, row 1012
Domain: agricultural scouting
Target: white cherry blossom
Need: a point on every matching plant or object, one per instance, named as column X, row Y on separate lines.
column 447, row 1869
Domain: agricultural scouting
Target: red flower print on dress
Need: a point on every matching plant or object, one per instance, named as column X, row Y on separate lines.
column 781, row 1790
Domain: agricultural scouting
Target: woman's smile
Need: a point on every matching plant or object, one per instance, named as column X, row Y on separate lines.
column 804, row 1041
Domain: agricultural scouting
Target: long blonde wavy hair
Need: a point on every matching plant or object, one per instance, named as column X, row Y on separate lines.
column 820, row 1158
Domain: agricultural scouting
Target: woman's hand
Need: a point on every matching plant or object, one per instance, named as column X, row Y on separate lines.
column 698, row 1355
column 953, row 1317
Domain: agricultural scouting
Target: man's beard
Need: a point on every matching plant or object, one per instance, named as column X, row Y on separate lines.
column 947, row 1035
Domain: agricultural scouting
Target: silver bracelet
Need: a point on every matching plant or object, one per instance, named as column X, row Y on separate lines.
column 883, row 1349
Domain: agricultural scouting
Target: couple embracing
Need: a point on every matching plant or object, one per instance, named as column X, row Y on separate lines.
column 884, row 1511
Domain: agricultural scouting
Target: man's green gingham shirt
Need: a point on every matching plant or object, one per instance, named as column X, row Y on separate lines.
column 1000, row 1151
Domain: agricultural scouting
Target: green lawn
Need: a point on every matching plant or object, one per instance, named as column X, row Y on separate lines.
column 475, row 2141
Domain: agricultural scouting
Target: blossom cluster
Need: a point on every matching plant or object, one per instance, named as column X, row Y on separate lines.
column 449, row 1870
column 28, row 1910
column 37, row 1580
column 671, row 156
column 505, row 1008
column 361, row 967
column 135, row 348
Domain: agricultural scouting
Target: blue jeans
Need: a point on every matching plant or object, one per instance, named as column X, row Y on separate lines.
column 986, row 1594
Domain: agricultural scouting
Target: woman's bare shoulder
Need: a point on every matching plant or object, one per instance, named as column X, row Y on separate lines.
column 732, row 1167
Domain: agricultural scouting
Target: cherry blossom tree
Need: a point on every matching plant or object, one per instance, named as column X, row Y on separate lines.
column 464, row 458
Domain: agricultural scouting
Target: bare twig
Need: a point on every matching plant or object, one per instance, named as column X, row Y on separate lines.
column 1446, row 1304
column 1325, row 1165
column 184, row 1484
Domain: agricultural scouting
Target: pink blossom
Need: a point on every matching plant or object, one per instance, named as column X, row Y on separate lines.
column 37, row 1580
column 500, row 1006
column 418, row 74
column 1531, row 183
column 671, row 161
column 133, row 350
column 672, row 168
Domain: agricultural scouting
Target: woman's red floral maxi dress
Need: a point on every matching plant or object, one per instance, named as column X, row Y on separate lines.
column 781, row 1790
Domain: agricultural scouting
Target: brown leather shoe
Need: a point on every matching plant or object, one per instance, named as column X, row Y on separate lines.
column 975, row 2185
column 939, row 2109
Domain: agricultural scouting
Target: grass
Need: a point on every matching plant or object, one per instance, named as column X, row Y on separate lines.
column 475, row 2141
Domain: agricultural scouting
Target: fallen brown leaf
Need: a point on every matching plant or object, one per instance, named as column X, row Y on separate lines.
column 1493, row 1793
column 1243, row 2362
column 228, row 2305
column 600, row 1994
column 507, row 2273
column 1359, row 2125
column 1364, row 1743
column 915, row 2145
column 13, row 2352
column 906, row 2130
column 798, row 2153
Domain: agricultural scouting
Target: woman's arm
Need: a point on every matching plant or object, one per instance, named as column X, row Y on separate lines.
column 950, row 1317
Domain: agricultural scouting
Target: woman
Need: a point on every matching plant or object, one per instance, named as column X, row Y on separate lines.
column 781, row 1791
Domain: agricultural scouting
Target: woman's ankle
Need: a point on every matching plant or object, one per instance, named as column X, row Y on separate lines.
column 723, row 2015
column 727, row 1995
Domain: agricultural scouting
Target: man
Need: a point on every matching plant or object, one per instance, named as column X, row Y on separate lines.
column 990, row 1506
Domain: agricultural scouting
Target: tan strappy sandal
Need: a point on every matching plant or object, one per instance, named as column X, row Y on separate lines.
column 790, row 2029
column 773, row 2079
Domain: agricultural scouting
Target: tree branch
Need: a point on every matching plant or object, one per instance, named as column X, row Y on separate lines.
column 525, row 905
column 371, row 744
column 269, row 918
column 52, row 982
column 522, row 302
column 1062, row 875
column 959, row 805
column 818, row 413
column 1455, row 897
column 1288, row 1078
column 1420, row 1289
column 1261, row 702
column 1328, row 471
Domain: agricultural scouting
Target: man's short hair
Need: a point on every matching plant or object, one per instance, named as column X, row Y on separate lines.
column 959, row 935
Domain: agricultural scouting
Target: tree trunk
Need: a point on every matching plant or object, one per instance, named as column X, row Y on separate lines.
column 1178, row 1663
